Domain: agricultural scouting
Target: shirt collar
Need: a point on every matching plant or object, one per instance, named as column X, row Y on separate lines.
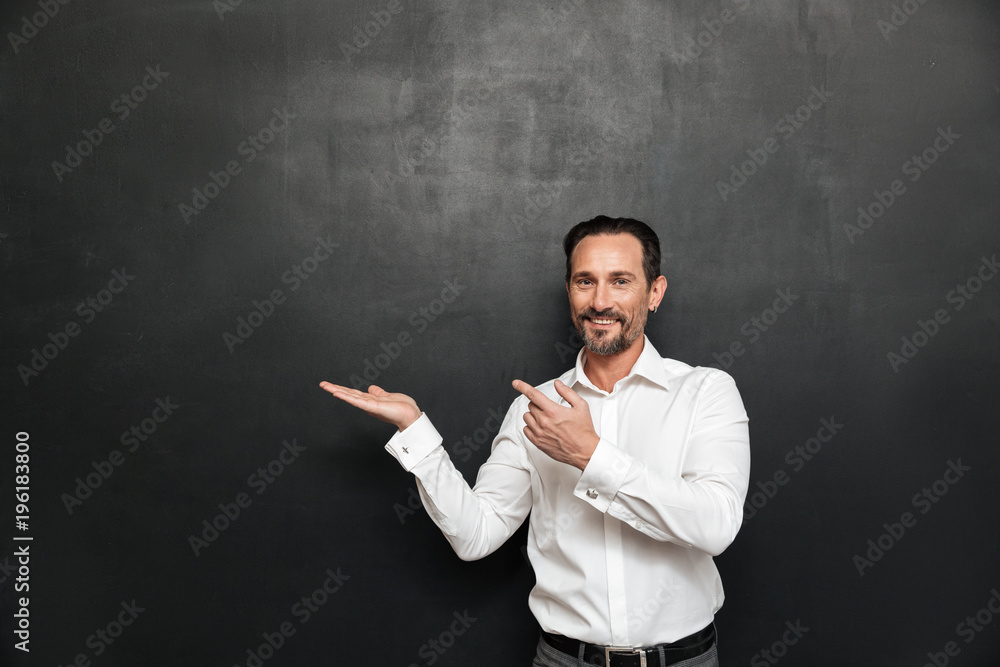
column 649, row 365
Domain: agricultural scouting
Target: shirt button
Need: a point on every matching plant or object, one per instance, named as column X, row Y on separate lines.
column 638, row 525
column 592, row 493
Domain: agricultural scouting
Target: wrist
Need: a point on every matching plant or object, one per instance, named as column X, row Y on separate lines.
column 588, row 450
column 407, row 421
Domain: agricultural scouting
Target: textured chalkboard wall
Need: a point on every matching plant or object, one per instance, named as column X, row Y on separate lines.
column 209, row 207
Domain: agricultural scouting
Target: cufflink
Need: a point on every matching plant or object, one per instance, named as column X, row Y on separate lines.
column 405, row 450
column 592, row 493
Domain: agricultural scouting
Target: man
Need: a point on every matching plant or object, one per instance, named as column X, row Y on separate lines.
column 634, row 469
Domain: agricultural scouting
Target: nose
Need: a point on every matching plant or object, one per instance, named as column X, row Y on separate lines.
column 602, row 297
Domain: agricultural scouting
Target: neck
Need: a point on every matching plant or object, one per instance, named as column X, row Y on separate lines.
column 605, row 371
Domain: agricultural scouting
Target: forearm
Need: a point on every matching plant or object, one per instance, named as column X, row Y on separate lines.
column 705, row 514
column 475, row 521
column 703, row 511
column 696, row 500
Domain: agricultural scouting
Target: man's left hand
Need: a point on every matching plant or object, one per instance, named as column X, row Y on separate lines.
column 565, row 433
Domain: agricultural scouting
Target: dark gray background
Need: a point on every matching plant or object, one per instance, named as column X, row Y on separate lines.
column 590, row 100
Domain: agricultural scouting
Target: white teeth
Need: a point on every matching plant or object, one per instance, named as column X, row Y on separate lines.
column 596, row 321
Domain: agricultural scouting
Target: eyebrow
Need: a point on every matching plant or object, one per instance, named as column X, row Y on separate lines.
column 613, row 274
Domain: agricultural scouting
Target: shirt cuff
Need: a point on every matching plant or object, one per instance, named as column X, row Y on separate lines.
column 409, row 447
column 603, row 476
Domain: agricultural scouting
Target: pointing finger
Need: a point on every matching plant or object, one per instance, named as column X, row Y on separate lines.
column 533, row 395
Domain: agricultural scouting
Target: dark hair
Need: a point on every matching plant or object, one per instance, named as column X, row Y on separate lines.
column 602, row 224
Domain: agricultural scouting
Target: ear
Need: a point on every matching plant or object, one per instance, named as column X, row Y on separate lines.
column 656, row 292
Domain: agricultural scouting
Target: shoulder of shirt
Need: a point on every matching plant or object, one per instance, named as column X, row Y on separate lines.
column 700, row 375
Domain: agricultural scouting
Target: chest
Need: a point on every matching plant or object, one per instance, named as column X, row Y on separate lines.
column 653, row 426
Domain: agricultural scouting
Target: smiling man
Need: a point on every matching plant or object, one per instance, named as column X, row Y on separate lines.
column 634, row 469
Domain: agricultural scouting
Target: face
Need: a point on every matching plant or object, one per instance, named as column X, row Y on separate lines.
column 608, row 295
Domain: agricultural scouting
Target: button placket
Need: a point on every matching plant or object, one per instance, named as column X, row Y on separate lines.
column 614, row 556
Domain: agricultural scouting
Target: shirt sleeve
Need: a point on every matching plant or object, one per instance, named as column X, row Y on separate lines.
column 477, row 520
column 703, row 506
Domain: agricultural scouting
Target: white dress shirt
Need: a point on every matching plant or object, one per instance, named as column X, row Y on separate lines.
column 622, row 551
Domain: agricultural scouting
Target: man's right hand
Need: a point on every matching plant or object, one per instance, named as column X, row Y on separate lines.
column 397, row 409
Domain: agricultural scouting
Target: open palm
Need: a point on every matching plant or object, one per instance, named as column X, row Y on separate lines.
column 397, row 409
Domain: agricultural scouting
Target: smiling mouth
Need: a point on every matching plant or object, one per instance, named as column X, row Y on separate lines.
column 602, row 321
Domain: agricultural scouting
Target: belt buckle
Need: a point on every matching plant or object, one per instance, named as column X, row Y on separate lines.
column 608, row 650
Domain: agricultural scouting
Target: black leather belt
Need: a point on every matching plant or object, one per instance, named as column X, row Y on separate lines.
column 646, row 656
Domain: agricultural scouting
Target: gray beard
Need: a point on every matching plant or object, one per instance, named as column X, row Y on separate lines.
column 605, row 345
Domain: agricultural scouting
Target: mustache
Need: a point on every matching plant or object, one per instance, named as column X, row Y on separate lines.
column 602, row 315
